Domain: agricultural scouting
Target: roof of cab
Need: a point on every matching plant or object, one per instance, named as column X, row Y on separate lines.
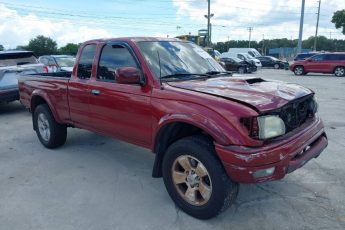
column 134, row 39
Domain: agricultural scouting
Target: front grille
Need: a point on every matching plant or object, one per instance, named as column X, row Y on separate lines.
column 296, row 113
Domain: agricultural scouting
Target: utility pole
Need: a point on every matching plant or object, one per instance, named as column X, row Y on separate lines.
column 208, row 23
column 209, row 16
column 299, row 46
column 250, row 29
column 263, row 45
column 317, row 25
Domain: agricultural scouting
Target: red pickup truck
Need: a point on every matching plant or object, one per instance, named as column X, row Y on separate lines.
column 209, row 130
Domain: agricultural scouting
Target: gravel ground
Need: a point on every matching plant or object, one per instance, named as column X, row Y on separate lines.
column 94, row 182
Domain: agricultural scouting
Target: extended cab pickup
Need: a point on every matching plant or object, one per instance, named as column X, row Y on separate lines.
column 209, row 130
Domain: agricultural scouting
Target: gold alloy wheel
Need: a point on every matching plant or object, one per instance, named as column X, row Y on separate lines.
column 191, row 180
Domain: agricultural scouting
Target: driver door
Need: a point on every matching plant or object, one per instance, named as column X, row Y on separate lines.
column 120, row 110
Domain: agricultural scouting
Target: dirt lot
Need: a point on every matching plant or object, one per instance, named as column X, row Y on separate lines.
column 94, row 182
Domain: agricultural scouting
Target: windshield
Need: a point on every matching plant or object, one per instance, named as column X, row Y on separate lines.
column 177, row 57
column 235, row 59
column 248, row 56
column 274, row 58
column 65, row 61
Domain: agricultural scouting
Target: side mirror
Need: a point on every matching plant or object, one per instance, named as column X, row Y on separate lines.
column 127, row 75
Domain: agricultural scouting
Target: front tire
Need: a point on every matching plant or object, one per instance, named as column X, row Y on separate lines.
column 50, row 133
column 276, row 66
column 339, row 71
column 299, row 71
column 195, row 178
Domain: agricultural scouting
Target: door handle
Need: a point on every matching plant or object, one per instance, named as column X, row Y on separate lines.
column 95, row 92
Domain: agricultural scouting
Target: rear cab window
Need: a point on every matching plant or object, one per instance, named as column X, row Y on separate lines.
column 17, row 58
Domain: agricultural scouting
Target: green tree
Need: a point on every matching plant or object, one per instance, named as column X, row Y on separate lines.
column 42, row 45
column 1, row 47
column 70, row 48
column 339, row 20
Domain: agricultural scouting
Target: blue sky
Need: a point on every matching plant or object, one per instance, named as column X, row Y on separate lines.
column 76, row 20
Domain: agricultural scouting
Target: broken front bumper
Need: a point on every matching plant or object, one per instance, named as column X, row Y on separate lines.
column 274, row 160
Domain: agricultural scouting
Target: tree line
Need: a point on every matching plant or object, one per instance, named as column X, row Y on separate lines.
column 323, row 44
column 42, row 45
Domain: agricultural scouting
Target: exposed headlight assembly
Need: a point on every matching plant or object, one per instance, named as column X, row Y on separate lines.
column 313, row 105
column 270, row 126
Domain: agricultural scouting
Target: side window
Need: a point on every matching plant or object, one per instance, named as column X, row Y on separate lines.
column 113, row 57
column 342, row 57
column 44, row 60
column 85, row 62
column 51, row 61
column 330, row 57
column 318, row 57
column 241, row 57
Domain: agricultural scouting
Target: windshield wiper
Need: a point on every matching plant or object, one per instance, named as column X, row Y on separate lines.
column 184, row 75
column 219, row 73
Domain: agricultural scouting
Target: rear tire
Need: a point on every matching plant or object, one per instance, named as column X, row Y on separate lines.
column 195, row 178
column 50, row 133
column 299, row 71
column 339, row 71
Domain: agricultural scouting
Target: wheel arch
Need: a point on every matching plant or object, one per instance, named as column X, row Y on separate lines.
column 38, row 98
column 173, row 130
column 298, row 66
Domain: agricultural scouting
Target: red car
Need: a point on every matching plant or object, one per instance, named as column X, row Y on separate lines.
column 209, row 130
column 328, row 63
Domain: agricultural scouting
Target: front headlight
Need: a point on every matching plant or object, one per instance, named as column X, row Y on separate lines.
column 270, row 126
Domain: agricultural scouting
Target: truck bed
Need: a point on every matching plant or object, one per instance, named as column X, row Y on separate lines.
column 53, row 86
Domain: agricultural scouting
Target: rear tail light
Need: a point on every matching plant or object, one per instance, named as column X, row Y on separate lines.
column 45, row 69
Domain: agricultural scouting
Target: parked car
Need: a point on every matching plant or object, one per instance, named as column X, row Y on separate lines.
column 269, row 61
column 214, row 53
column 243, row 56
column 303, row 56
column 251, row 51
column 328, row 63
column 56, row 63
column 13, row 64
column 238, row 65
column 209, row 130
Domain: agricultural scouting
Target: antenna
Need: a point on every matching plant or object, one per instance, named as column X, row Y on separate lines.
column 160, row 68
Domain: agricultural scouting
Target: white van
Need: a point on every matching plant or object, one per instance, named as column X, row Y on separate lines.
column 251, row 51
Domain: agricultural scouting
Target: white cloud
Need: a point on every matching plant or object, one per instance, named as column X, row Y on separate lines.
column 274, row 18
column 16, row 29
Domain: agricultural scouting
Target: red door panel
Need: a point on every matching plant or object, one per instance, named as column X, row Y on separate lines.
column 121, row 111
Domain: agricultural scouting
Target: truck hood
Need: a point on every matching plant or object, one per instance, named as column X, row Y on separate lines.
column 262, row 95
